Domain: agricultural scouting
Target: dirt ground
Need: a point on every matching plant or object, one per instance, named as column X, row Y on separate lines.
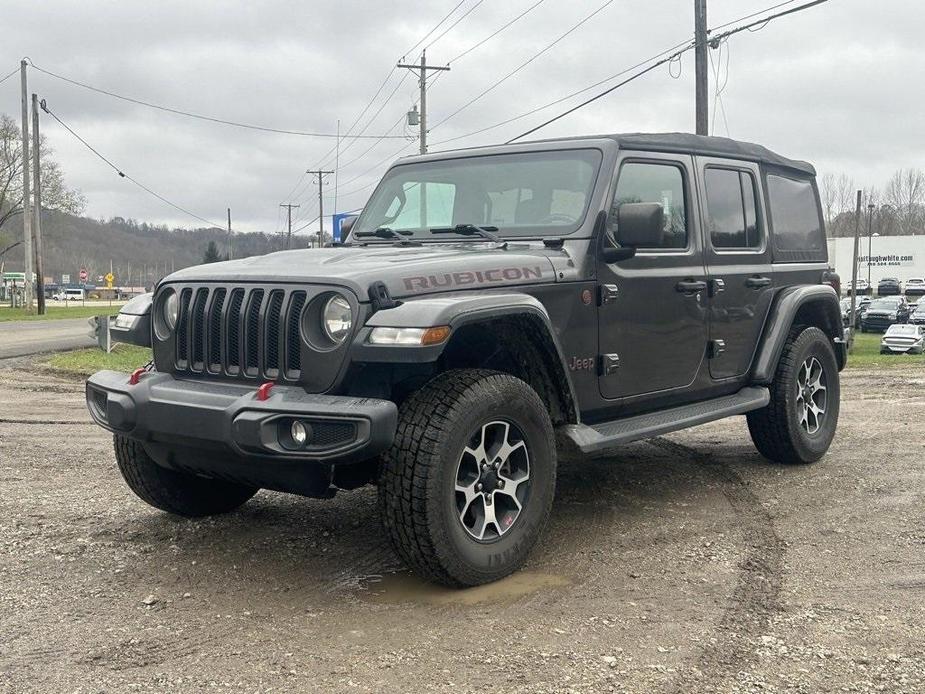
column 682, row 564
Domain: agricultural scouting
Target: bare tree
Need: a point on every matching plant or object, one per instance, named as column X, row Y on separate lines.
column 829, row 195
column 845, row 194
column 55, row 194
column 905, row 193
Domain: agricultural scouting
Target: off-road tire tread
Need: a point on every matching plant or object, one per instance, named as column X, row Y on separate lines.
column 768, row 426
column 423, row 420
column 179, row 493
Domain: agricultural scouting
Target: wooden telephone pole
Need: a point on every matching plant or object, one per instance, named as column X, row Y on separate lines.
column 26, row 192
column 422, row 71
column 320, row 174
column 37, row 216
column 289, row 233
column 701, row 60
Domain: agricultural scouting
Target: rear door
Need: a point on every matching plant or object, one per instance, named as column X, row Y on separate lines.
column 652, row 315
column 738, row 259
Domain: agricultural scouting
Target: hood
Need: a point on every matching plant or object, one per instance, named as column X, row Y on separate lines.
column 405, row 270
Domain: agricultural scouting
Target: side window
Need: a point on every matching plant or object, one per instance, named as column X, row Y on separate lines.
column 654, row 182
column 795, row 216
column 732, row 218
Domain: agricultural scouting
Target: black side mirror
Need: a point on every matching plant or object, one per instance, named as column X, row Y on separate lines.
column 345, row 226
column 614, row 254
column 640, row 224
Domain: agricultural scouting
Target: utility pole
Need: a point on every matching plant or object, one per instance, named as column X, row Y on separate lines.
column 230, row 244
column 870, row 236
column 700, row 66
column 26, row 193
column 320, row 174
column 289, row 213
column 37, row 193
column 422, row 83
column 854, row 275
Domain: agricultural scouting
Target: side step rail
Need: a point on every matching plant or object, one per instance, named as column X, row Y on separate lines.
column 597, row 437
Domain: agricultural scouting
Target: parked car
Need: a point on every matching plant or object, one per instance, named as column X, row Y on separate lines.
column 882, row 313
column 903, row 339
column 917, row 316
column 444, row 349
column 915, row 286
column 70, row 295
column 861, row 304
column 889, row 286
column 863, row 287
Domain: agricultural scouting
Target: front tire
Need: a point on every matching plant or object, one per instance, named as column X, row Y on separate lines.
column 175, row 492
column 468, row 484
column 798, row 424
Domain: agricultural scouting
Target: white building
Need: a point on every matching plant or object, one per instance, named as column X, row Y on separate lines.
column 890, row 256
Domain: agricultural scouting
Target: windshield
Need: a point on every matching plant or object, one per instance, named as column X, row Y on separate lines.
column 530, row 194
column 884, row 304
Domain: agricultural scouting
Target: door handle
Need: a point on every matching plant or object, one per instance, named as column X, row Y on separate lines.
column 690, row 286
column 757, row 282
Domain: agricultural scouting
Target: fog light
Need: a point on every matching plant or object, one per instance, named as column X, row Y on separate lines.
column 298, row 432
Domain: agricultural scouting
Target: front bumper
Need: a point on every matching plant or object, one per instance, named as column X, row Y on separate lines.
column 222, row 417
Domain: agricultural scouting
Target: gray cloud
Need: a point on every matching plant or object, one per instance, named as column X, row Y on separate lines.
column 837, row 84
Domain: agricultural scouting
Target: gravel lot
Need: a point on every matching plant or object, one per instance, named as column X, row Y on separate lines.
column 684, row 564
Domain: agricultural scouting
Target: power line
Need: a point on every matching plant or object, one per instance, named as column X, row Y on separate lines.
column 124, row 175
column 188, row 114
column 458, row 20
column 537, row 109
column 9, row 75
column 499, row 30
column 437, row 26
column 753, row 14
column 548, row 47
column 714, row 40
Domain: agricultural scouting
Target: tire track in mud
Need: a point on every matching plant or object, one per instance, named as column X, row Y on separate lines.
column 756, row 596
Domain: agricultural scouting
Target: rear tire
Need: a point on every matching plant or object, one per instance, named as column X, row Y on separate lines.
column 798, row 424
column 175, row 492
column 468, row 484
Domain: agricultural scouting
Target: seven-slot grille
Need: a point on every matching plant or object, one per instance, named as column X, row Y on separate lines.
column 249, row 332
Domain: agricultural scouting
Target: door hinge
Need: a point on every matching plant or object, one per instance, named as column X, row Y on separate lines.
column 608, row 294
column 717, row 286
column 609, row 363
column 715, row 348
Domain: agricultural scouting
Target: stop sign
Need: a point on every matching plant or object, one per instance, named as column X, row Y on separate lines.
column 83, row 274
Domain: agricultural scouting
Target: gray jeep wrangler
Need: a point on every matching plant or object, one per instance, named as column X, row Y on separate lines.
column 490, row 311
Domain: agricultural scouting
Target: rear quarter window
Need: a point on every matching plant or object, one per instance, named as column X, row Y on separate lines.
column 795, row 218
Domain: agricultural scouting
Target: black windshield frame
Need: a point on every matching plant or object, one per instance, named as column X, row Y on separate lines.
column 575, row 170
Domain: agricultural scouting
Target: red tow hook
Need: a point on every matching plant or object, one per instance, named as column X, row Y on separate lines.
column 263, row 392
column 136, row 376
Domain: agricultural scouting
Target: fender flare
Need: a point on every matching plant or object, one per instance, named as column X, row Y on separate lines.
column 786, row 306
column 457, row 311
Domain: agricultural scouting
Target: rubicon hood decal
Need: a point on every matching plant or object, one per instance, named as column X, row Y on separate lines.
column 501, row 275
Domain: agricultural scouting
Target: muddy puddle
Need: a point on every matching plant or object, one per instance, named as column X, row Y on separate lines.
column 406, row 588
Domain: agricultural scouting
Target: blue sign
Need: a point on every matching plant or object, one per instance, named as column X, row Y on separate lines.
column 338, row 219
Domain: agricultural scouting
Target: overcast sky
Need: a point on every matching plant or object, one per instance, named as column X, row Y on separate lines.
column 839, row 84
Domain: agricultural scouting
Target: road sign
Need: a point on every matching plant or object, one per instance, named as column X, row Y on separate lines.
column 65, row 279
column 84, row 274
column 109, row 279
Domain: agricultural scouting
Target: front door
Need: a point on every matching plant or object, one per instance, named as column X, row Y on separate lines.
column 652, row 315
column 738, row 261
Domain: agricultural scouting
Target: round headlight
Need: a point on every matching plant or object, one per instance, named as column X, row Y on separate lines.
column 337, row 318
column 171, row 309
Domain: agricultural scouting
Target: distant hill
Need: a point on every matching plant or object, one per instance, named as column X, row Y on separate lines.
column 72, row 242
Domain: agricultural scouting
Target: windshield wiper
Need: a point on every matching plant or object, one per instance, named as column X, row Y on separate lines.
column 383, row 233
column 486, row 232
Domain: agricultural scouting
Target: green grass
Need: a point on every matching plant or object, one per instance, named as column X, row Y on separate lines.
column 83, row 362
column 866, row 354
column 57, row 312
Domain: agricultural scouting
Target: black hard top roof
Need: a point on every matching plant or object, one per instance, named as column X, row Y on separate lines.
column 700, row 144
column 682, row 143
